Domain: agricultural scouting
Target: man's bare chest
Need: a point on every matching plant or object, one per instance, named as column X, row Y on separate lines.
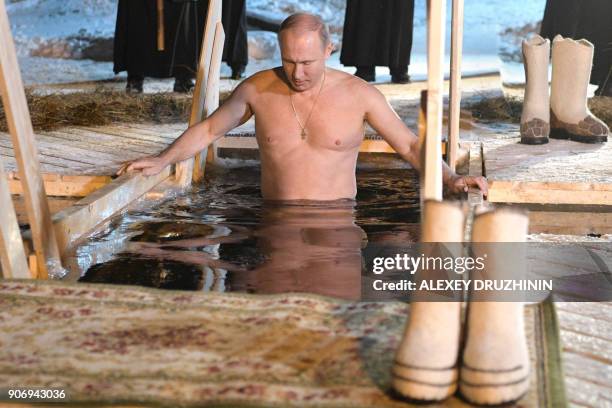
column 327, row 124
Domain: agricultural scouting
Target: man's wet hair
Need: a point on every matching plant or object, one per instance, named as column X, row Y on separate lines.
column 307, row 22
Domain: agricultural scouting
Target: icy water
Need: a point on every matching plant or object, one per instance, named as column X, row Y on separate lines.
column 222, row 236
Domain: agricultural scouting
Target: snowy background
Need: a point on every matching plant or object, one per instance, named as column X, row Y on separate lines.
column 57, row 39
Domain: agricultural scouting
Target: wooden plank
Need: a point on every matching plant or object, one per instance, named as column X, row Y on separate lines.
column 570, row 223
column 586, row 345
column 103, row 145
column 20, row 128
column 12, row 254
column 47, row 164
column 47, row 157
column 211, row 102
column 432, row 163
column 131, row 133
column 183, row 171
column 455, row 83
column 70, row 151
column 62, row 185
column 589, row 326
column 75, row 222
column 166, row 130
column 56, row 204
column 553, row 193
column 475, row 197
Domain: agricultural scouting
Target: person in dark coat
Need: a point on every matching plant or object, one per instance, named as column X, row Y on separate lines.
column 588, row 19
column 136, row 49
column 235, row 50
column 378, row 33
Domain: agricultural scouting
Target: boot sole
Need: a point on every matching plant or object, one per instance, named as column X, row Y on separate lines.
column 493, row 387
column 559, row 133
column 509, row 403
column 424, row 385
column 528, row 140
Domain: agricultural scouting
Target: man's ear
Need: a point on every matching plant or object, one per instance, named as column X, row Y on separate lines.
column 329, row 49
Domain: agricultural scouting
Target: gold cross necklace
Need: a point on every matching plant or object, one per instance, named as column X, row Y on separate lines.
column 303, row 127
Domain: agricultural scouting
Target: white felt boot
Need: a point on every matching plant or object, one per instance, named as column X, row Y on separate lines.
column 495, row 361
column 535, row 118
column 571, row 71
column 425, row 366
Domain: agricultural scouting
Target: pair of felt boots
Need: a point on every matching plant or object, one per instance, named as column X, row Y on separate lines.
column 486, row 359
column 563, row 115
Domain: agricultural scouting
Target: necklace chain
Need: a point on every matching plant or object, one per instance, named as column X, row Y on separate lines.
column 297, row 118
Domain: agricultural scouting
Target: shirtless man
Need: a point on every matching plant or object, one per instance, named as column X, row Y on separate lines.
column 309, row 122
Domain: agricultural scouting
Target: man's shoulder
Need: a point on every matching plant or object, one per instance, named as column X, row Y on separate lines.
column 265, row 77
column 350, row 83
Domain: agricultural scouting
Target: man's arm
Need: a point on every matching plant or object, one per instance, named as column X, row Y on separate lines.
column 388, row 124
column 234, row 112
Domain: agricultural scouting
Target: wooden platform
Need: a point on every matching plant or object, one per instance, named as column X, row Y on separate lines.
column 586, row 338
column 94, row 150
column 560, row 172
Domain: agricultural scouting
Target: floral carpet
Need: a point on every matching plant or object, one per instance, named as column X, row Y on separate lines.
column 108, row 344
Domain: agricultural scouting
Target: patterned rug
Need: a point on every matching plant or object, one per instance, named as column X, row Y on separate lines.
column 118, row 344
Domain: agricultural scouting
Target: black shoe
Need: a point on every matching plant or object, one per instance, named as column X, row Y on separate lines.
column 238, row 71
column 183, row 85
column 368, row 74
column 134, row 85
column 400, row 76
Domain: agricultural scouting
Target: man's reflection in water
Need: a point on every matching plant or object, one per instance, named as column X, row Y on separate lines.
column 307, row 246
column 312, row 247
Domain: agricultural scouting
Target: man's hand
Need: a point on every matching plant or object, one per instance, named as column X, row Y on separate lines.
column 149, row 166
column 457, row 184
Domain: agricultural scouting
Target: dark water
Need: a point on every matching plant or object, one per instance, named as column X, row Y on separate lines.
column 223, row 236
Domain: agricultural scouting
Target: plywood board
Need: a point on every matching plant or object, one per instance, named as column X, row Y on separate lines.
column 560, row 172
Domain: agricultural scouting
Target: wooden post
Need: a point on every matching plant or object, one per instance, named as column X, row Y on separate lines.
column 422, row 129
column 184, row 170
column 26, row 153
column 160, row 26
column 432, row 165
column 211, row 97
column 455, row 83
column 212, row 91
column 12, row 254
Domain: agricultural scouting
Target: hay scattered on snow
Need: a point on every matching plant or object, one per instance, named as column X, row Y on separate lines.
column 601, row 106
column 506, row 109
column 102, row 107
column 497, row 109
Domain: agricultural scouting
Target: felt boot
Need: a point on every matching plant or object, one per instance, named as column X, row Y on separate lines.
column 425, row 367
column 535, row 118
column 571, row 70
column 495, row 361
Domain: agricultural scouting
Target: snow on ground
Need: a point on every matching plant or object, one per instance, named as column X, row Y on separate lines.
column 61, row 28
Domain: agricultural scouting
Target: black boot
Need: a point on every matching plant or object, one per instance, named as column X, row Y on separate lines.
column 134, row 84
column 183, row 84
column 367, row 73
column 238, row 71
column 399, row 75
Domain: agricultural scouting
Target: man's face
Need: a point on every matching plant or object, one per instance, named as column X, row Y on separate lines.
column 304, row 58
